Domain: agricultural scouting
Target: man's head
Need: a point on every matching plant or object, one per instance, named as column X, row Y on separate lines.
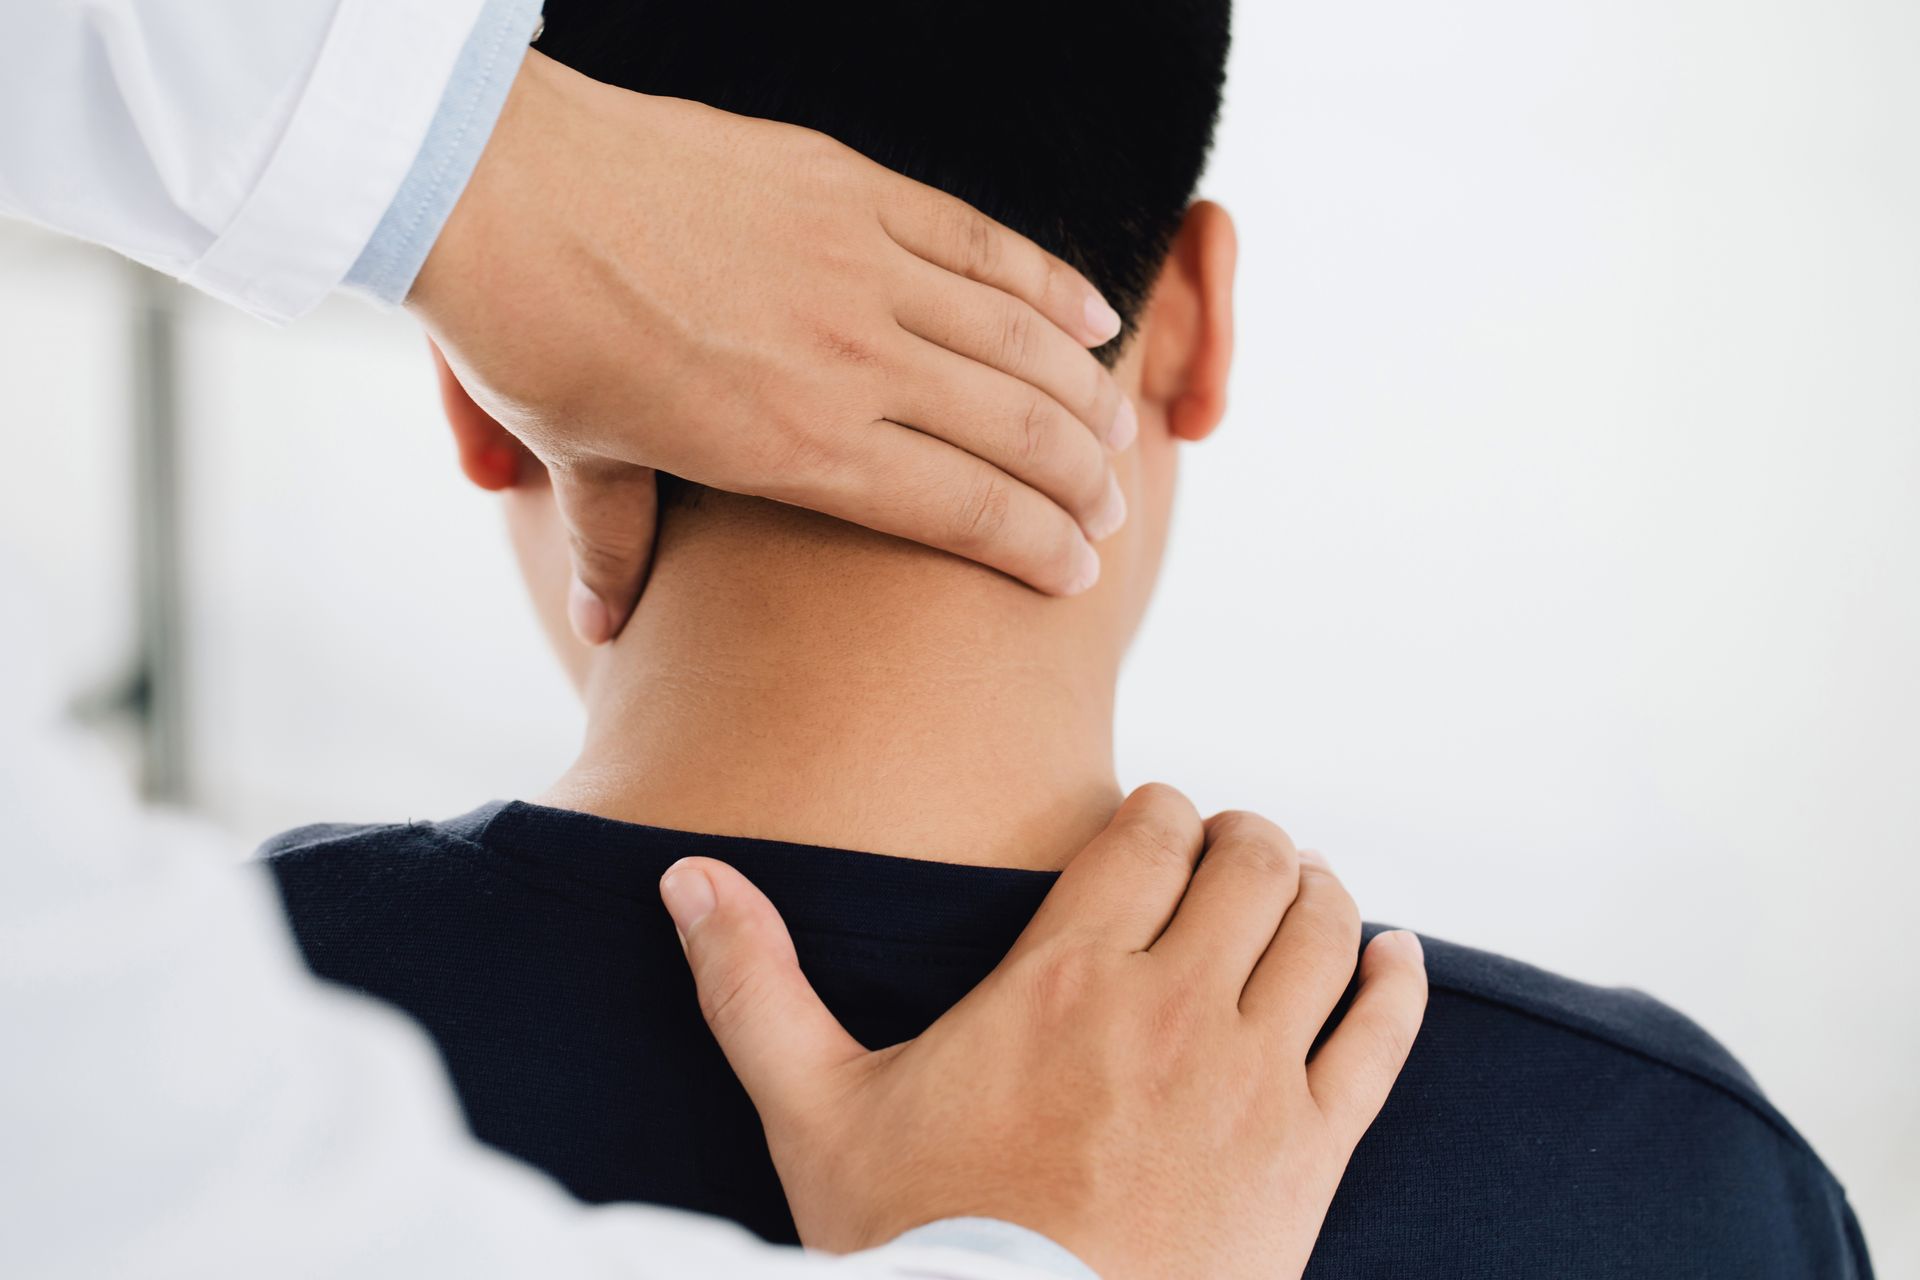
column 1084, row 126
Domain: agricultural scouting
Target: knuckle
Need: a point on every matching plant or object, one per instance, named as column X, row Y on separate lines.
column 802, row 449
column 1254, row 841
column 1035, row 434
column 800, row 443
column 982, row 245
column 1334, row 899
column 846, row 343
column 1153, row 797
column 1175, row 1016
column 1163, row 818
column 1259, row 837
column 1334, row 931
column 1162, row 845
column 1017, row 336
column 981, row 515
column 1064, row 977
column 1054, row 284
column 729, row 1003
column 1092, row 476
column 601, row 560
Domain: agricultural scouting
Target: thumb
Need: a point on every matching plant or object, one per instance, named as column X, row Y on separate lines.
column 776, row 1034
column 610, row 510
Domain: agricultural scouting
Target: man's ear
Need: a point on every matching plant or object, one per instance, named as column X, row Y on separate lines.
column 490, row 455
column 1188, row 334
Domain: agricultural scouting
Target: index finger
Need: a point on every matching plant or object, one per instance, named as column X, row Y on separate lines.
column 1125, row 886
column 951, row 233
column 1247, row 880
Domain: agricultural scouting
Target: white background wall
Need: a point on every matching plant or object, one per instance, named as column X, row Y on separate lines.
column 1558, row 569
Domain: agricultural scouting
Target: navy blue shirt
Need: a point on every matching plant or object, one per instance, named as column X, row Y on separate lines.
column 1542, row 1128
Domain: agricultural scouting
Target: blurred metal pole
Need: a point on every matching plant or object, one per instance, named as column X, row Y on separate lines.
column 159, row 682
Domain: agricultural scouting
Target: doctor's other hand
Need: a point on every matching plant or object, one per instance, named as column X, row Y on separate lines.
column 634, row 282
column 1132, row 1081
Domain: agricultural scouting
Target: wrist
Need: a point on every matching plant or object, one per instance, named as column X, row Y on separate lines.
column 391, row 263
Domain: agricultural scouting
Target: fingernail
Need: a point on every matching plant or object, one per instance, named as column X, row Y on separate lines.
column 1315, row 858
column 1405, row 939
column 1103, row 322
column 1086, row 572
column 1110, row 514
column 1126, row 426
column 588, row 614
column 688, row 895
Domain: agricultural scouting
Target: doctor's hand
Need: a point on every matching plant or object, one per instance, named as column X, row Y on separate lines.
column 1133, row 1081
column 631, row 282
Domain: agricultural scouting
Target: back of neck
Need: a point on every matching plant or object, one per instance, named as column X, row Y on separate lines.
column 789, row 677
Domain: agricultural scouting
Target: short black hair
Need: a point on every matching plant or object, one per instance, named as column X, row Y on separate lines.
column 1082, row 124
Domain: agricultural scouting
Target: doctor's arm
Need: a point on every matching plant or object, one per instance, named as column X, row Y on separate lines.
column 625, row 281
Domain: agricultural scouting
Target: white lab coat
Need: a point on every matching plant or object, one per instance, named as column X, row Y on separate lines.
column 177, row 1096
column 247, row 147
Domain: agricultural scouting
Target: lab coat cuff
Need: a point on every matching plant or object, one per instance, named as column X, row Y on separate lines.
column 377, row 86
column 965, row 1243
column 476, row 92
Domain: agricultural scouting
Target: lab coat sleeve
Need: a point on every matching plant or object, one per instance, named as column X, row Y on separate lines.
column 468, row 110
column 247, row 148
column 179, row 1099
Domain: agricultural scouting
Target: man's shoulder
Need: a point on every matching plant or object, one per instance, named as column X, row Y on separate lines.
column 1598, row 1127
column 1613, row 1021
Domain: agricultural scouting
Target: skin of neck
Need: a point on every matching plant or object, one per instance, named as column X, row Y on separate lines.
column 791, row 677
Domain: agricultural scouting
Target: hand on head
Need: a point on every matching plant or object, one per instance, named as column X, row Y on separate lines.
column 1174, row 368
column 830, row 334
column 1133, row 1080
